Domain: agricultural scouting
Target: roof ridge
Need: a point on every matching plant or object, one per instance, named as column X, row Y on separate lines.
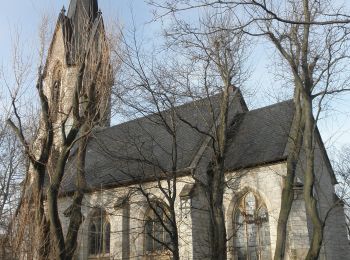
column 187, row 104
column 255, row 143
column 164, row 111
column 269, row 106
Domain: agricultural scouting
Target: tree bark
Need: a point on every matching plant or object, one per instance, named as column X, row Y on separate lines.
column 74, row 211
column 217, row 227
column 309, row 180
column 42, row 224
column 52, row 197
column 216, row 179
column 294, row 146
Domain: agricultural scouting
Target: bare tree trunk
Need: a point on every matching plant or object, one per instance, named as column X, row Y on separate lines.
column 42, row 224
column 174, row 233
column 52, row 199
column 217, row 227
column 309, row 181
column 216, row 180
column 294, row 146
column 74, row 211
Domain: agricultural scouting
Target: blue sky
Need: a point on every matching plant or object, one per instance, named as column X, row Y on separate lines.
column 25, row 15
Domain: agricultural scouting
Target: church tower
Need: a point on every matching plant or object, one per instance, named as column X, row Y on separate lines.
column 79, row 37
column 77, row 74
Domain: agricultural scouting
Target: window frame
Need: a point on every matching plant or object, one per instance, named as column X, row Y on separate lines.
column 56, row 86
column 259, row 223
column 157, row 249
column 102, row 231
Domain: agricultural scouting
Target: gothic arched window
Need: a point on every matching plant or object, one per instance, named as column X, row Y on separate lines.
column 251, row 229
column 156, row 237
column 99, row 233
column 56, row 89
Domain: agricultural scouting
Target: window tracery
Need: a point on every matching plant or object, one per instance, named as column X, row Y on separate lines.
column 156, row 237
column 99, row 233
column 56, row 89
column 252, row 231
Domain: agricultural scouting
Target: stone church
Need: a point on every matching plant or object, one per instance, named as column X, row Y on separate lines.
column 128, row 166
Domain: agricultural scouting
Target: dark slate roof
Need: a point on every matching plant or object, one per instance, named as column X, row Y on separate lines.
column 141, row 149
column 259, row 136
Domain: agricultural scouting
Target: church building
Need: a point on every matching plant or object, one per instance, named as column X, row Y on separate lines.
column 131, row 171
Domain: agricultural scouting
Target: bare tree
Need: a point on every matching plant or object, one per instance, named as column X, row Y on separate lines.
column 153, row 99
column 312, row 39
column 61, row 128
column 342, row 168
column 15, row 78
column 213, row 58
column 316, row 57
column 11, row 171
column 219, row 57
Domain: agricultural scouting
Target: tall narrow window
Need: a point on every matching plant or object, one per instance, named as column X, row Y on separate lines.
column 99, row 233
column 126, row 231
column 56, row 90
column 156, row 237
column 251, row 229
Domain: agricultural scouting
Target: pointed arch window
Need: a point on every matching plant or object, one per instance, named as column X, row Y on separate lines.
column 251, row 229
column 156, row 236
column 56, row 89
column 99, row 233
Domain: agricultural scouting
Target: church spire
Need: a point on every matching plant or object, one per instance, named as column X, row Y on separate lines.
column 82, row 18
column 83, row 8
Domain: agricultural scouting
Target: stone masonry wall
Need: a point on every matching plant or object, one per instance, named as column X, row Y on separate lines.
column 265, row 182
column 335, row 242
column 108, row 200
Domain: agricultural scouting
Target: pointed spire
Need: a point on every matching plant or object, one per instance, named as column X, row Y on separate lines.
column 81, row 16
column 63, row 10
column 88, row 8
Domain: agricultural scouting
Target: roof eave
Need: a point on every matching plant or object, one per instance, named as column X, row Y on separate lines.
column 179, row 174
